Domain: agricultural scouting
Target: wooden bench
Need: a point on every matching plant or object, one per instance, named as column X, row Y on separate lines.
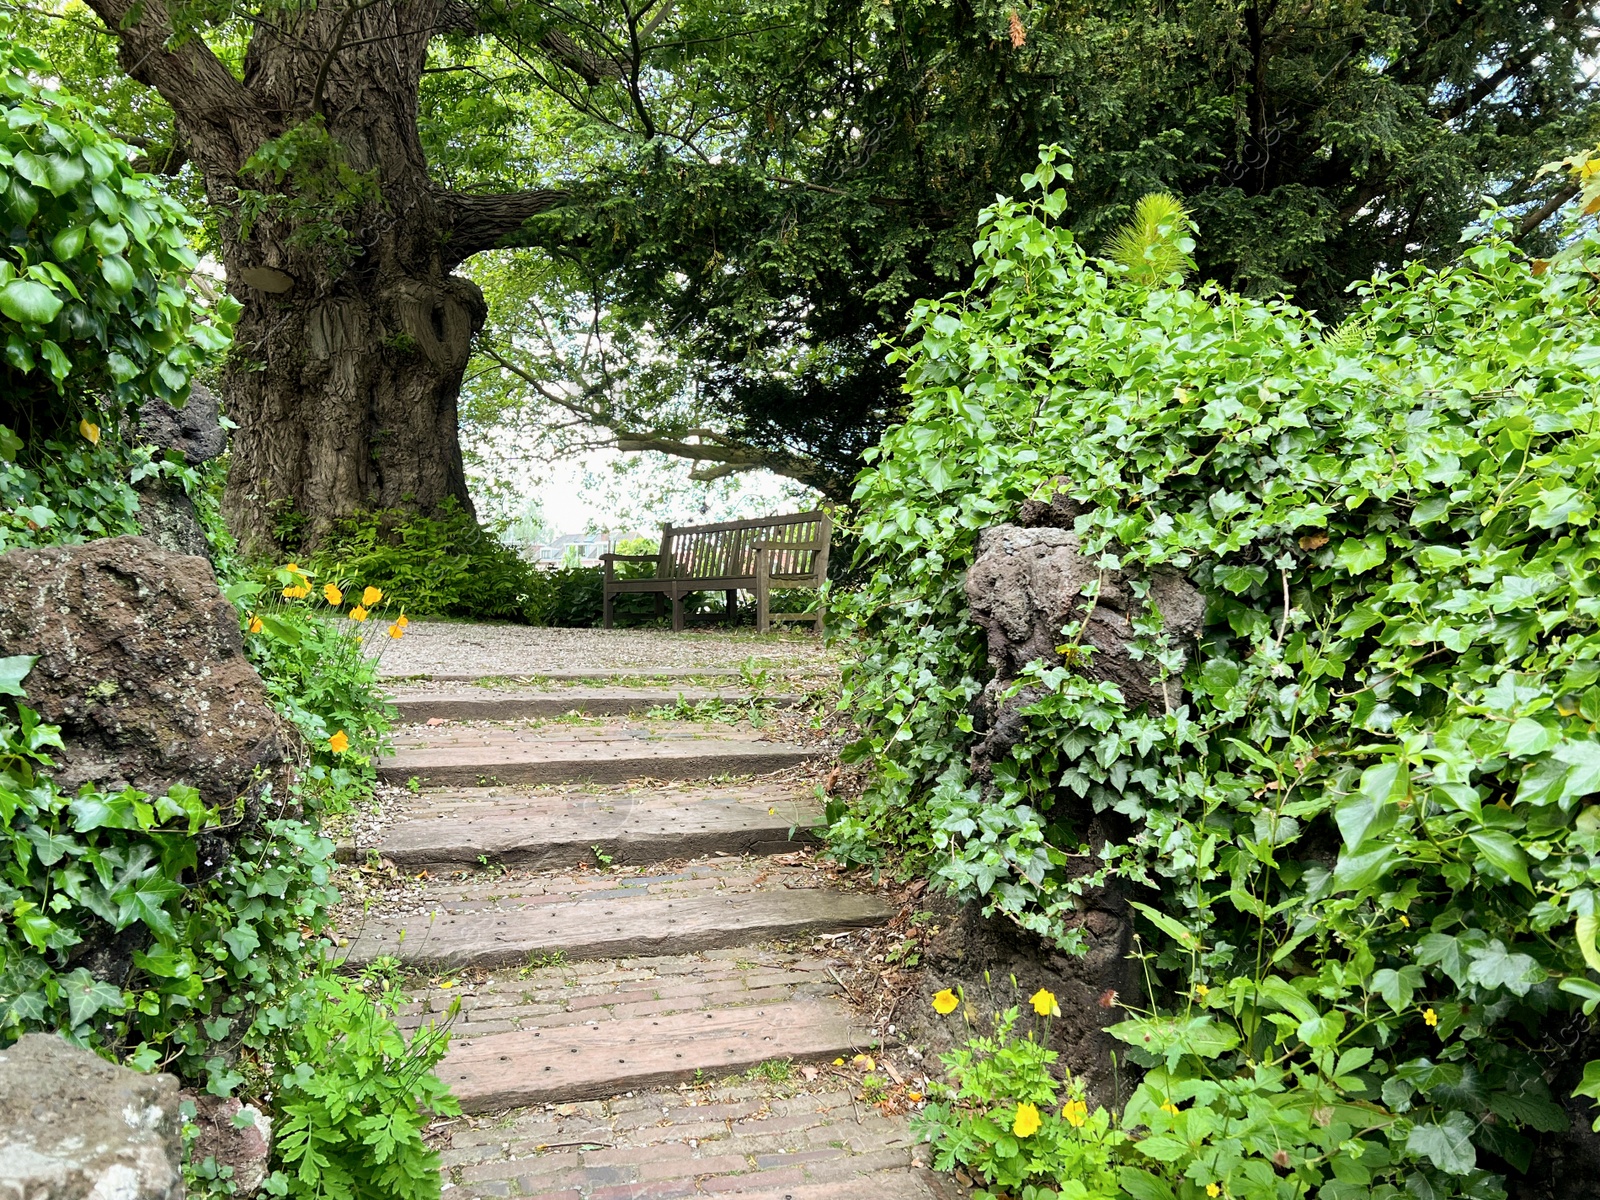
column 733, row 556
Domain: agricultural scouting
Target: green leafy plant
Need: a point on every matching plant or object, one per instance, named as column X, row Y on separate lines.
column 353, row 1096
column 1367, row 825
column 1006, row 1117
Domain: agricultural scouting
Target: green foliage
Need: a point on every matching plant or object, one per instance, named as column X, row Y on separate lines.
column 446, row 565
column 316, row 196
column 95, row 307
column 353, row 1097
column 1368, row 829
column 325, row 681
column 219, row 940
column 998, row 1118
column 1155, row 245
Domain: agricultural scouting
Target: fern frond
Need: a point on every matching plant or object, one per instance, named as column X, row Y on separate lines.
column 1151, row 246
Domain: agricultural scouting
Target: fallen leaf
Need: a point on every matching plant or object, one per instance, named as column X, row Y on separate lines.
column 1313, row 541
column 435, row 721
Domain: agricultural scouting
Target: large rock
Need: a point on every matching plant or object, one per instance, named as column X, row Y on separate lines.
column 166, row 513
column 142, row 665
column 1027, row 584
column 75, row 1127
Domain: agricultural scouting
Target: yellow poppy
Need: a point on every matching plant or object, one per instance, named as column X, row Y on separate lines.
column 295, row 567
column 401, row 620
column 838, row 1062
column 255, row 623
column 1405, row 920
column 1044, row 1003
column 1027, row 1122
column 396, row 630
column 1430, row 1017
column 945, row 1002
column 1170, row 1107
column 371, row 596
column 90, row 431
column 296, row 593
column 1075, row 1113
column 339, row 742
column 358, row 613
column 332, row 595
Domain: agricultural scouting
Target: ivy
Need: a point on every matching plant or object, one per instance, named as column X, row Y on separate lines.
column 1366, row 846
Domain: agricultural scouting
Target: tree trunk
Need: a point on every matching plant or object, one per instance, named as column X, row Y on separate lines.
column 349, row 354
column 347, row 403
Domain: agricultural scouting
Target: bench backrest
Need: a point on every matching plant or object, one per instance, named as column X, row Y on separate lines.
column 728, row 549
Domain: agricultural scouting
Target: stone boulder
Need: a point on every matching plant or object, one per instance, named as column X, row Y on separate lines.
column 1027, row 584
column 142, row 665
column 166, row 513
column 75, row 1127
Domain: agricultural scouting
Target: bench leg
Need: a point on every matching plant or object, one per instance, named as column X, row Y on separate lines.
column 733, row 608
column 661, row 605
column 677, row 613
column 606, row 605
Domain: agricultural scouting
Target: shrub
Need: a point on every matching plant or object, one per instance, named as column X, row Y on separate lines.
column 1365, row 847
column 322, row 678
column 95, row 307
column 445, row 565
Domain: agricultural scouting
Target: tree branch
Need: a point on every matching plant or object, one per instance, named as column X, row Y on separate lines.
column 485, row 221
column 187, row 74
column 1546, row 210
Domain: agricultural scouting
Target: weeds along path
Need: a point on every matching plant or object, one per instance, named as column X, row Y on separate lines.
column 595, row 847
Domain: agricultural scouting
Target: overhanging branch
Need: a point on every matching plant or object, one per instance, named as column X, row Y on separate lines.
column 485, row 221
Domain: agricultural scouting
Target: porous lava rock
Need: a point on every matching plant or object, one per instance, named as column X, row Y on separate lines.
column 1026, row 584
column 166, row 513
column 142, row 665
column 76, row 1127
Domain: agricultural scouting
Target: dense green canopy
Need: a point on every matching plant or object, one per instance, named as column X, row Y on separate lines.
column 731, row 205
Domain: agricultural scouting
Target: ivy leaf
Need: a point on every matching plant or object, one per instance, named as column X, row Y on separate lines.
column 242, row 940
column 1397, row 987
column 1500, row 849
column 88, row 996
column 1360, row 556
column 1357, row 871
column 13, row 671
column 1494, row 966
column 1373, row 808
column 30, row 301
column 1447, row 1146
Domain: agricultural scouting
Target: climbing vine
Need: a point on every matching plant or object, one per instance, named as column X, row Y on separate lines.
column 1365, row 848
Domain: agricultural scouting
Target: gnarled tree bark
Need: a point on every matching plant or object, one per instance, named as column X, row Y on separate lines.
column 355, row 333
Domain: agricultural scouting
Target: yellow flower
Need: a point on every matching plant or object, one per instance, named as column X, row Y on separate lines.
column 332, row 594
column 1201, row 991
column 339, row 742
column 1405, row 920
column 255, row 623
column 358, row 613
column 1075, row 1113
column 1430, row 1017
column 397, row 630
column 401, row 620
column 913, row 1096
column 1027, row 1122
column 90, row 431
column 1213, row 1190
column 1044, row 1003
column 295, row 567
column 864, row 1061
column 945, row 1002
column 838, row 1062
column 1170, row 1107
column 296, row 593
column 371, row 596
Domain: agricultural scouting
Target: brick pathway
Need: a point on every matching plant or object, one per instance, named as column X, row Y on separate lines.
column 632, row 1030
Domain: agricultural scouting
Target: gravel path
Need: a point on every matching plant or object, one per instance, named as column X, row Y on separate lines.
column 450, row 649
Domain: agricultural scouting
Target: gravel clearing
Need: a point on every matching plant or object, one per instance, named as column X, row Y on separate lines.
column 445, row 649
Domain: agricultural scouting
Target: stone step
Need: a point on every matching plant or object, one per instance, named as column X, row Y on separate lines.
column 507, row 930
column 466, row 755
column 581, row 1062
column 541, row 831
column 396, row 673
column 520, row 704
